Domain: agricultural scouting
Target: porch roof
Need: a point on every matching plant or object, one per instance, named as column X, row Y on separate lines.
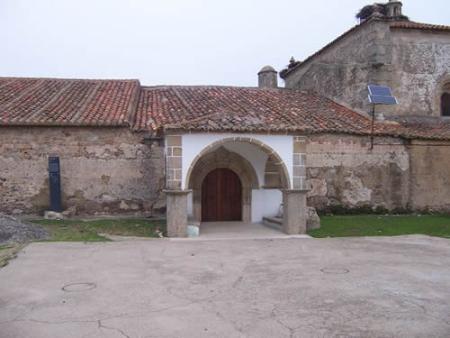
column 246, row 109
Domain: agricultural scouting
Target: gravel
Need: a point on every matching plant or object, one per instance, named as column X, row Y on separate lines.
column 13, row 230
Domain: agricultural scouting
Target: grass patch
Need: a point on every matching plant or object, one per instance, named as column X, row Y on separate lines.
column 92, row 230
column 373, row 225
column 8, row 252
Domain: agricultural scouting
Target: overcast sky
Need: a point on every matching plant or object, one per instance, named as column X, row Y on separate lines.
column 182, row 42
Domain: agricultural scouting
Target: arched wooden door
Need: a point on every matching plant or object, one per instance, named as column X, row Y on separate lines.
column 221, row 196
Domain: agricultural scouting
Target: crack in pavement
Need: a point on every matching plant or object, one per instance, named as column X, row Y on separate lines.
column 119, row 316
column 99, row 323
column 47, row 321
column 102, row 326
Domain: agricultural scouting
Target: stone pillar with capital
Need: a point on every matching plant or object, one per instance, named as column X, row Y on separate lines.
column 176, row 197
column 294, row 211
column 294, row 200
column 177, row 217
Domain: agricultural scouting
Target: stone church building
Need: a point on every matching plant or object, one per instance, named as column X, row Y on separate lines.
column 209, row 153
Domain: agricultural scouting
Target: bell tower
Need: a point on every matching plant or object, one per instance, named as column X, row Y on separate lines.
column 394, row 9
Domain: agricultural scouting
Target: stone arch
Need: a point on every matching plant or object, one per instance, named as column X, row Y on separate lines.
column 222, row 158
column 276, row 159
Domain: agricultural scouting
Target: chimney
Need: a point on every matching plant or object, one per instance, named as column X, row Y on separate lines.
column 268, row 77
column 394, row 9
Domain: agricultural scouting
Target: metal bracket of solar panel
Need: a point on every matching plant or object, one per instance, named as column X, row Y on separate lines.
column 381, row 95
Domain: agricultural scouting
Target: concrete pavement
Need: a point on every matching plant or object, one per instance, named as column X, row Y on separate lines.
column 375, row 287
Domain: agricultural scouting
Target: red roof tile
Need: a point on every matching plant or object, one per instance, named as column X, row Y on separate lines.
column 67, row 102
column 58, row 102
column 238, row 109
column 432, row 128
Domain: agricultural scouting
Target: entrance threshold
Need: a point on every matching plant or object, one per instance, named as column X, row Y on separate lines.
column 240, row 230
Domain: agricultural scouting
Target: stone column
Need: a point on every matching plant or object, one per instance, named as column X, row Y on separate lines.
column 174, row 159
column 177, row 212
column 294, row 211
column 299, row 167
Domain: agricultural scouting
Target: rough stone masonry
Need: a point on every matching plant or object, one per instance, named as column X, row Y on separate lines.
column 104, row 170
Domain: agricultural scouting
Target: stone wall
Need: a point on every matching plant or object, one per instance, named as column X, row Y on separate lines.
column 107, row 170
column 103, row 170
column 396, row 175
column 344, row 70
column 430, row 175
column 345, row 174
column 414, row 63
column 420, row 69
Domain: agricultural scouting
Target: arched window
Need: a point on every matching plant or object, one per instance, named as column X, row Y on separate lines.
column 445, row 104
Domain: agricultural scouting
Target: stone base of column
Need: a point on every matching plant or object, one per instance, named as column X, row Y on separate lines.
column 177, row 212
column 294, row 212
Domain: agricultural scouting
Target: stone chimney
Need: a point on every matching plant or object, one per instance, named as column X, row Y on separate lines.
column 390, row 10
column 268, row 77
column 394, row 9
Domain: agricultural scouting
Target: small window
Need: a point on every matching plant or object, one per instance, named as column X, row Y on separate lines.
column 445, row 104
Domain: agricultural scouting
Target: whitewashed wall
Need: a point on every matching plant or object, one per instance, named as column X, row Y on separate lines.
column 193, row 144
column 265, row 203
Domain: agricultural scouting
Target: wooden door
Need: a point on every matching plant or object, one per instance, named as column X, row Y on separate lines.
column 221, row 196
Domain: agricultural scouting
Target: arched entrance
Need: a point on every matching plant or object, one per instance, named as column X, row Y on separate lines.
column 221, row 196
column 263, row 175
column 220, row 159
column 235, row 154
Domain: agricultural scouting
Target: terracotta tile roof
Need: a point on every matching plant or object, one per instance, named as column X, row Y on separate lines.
column 237, row 109
column 58, row 102
column 63, row 102
column 432, row 128
column 418, row 25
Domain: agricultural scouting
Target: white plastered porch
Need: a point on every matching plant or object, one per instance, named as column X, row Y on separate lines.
column 265, row 202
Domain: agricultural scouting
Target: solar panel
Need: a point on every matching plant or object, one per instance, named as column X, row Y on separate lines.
column 381, row 95
column 378, row 99
column 379, row 90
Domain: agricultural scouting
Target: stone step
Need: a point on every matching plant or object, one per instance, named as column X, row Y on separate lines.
column 273, row 222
